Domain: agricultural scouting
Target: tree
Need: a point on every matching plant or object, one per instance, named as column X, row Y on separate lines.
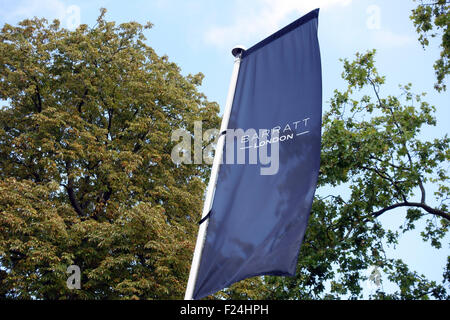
column 431, row 19
column 373, row 163
column 86, row 176
column 371, row 147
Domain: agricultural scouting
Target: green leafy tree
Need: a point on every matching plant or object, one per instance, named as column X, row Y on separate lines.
column 373, row 163
column 371, row 147
column 86, row 176
column 432, row 19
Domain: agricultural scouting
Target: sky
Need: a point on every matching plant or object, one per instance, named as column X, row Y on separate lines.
column 198, row 35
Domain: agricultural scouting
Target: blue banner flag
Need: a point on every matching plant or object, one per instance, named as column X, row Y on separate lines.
column 261, row 208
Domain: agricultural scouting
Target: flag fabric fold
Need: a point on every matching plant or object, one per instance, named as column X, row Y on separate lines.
column 257, row 222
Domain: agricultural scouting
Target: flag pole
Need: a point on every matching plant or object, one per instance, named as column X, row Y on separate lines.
column 236, row 52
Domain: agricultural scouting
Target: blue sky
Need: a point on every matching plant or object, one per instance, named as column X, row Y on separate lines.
column 198, row 35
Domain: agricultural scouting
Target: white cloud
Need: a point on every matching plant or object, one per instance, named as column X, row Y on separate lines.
column 266, row 19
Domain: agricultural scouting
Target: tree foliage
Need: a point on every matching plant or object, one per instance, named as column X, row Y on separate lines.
column 432, row 19
column 86, row 176
column 372, row 151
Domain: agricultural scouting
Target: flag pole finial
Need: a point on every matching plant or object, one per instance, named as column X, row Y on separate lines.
column 238, row 50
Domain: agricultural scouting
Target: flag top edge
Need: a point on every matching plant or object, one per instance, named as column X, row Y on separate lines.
column 302, row 20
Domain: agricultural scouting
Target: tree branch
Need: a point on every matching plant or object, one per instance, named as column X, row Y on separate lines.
column 81, row 103
column 427, row 208
column 37, row 100
column 71, row 193
column 419, row 180
column 387, row 177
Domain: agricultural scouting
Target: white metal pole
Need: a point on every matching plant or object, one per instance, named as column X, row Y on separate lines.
column 237, row 51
